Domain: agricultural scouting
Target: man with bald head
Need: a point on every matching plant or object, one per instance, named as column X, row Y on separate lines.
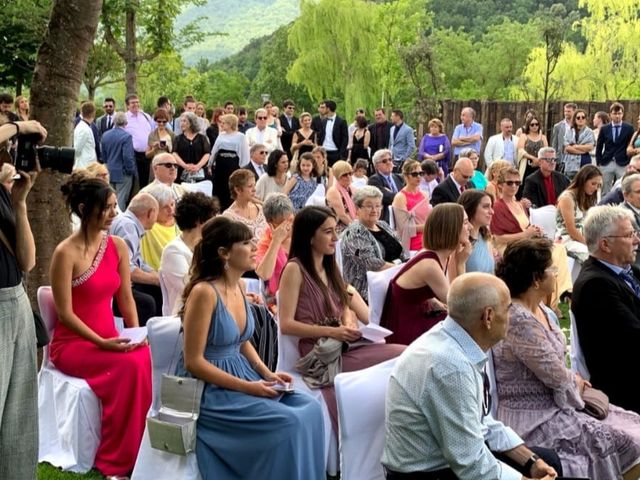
column 438, row 424
column 468, row 134
column 457, row 182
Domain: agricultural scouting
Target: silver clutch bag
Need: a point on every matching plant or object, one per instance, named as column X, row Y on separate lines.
column 173, row 428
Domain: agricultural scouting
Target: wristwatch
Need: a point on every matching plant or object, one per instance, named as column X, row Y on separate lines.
column 533, row 459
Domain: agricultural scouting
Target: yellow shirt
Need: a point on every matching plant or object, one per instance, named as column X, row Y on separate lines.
column 154, row 241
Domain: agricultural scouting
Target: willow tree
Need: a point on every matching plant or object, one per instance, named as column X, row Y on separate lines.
column 335, row 43
column 57, row 77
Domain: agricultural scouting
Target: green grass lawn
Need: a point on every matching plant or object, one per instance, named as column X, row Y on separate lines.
column 49, row 472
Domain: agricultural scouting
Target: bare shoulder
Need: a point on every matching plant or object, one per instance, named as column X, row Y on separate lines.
column 292, row 272
column 121, row 247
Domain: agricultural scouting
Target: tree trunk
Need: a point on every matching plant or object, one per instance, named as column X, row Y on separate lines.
column 57, row 77
column 131, row 54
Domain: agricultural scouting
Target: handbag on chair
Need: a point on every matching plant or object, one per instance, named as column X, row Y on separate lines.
column 173, row 428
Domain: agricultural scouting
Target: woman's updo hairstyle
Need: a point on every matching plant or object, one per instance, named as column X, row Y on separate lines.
column 85, row 196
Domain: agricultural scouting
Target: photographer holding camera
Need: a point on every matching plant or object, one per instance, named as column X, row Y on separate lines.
column 18, row 388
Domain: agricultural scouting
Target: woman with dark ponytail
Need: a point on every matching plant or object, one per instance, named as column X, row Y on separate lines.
column 246, row 427
column 88, row 270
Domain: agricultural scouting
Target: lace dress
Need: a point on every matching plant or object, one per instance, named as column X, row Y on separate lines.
column 121, row 380
column 574, row 248
column 539, row 399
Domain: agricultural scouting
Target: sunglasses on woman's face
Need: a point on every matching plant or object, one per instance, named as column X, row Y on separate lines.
column 511, row 183
column 535, row 124
column 581, row 117
column 415, row 174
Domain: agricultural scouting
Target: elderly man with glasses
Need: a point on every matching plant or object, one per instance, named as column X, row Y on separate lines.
column 165, row 171
column 606, row 303
column 544, row 186
column 385, row 180
column 457, row 182
column 262, row 133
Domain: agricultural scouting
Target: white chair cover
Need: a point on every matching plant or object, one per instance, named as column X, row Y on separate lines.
column 288, row 355
column 338, row 254
column 166, row 303
column 361, row 414
column 578, row 363
column 205, row 186
column 317, row 199
column 392, row 218
column 378, row 284
column 253, row 285
column 68, row 411
column 544, row 217
column 152, row 464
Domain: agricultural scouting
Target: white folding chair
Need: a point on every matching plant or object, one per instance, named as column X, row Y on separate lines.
column 392, row 218
column 205, row 186
column 578, row 363
column 288, row 355
column 166, row 302
column 338, row 254
column 377, row 286
column 69, row 413
column 163, row 334
column 360, row 396
column 544, row 217
column 318, row 198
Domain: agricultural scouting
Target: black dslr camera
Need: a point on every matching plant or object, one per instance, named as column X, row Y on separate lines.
column 56, row 158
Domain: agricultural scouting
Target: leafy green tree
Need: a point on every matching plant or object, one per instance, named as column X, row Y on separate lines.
column 21, row 31
column 139, row 30
column 104, row 67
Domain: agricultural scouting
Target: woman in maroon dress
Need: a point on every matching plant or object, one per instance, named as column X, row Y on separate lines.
column 88, row 270
column 415, row 298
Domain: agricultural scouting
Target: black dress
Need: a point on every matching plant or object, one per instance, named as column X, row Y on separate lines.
column 191, row 152
column 300, row 138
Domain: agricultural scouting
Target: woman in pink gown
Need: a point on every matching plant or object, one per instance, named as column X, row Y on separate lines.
column 88, row 269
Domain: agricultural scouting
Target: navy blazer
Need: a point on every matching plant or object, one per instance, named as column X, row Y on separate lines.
column 118, row 155
column 607, row 315
column 447, row 191
column 376, row 180
column 607, row 150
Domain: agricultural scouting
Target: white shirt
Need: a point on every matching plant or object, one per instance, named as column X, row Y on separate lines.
column 328, row 143
column 174, row 271
column 84, row 144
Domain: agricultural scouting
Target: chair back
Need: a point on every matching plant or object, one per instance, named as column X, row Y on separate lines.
column 49, row 315
column 392, row 218
column 205, row 186
column 361, row 397
column 163, row 334
column 338, row 254
column 166, row 304
column 317, row 199
column 544, row 217
column 288, row 353
column 377, row 286
column 578, row 363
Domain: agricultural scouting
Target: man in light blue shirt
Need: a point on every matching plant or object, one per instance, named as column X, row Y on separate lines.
column 438, row 424
column 468, row 134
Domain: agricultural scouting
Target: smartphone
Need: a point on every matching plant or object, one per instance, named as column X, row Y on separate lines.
column 163, row 143
column 286, row 388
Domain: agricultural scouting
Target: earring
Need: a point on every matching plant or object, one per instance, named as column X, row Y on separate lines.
column 226, row 265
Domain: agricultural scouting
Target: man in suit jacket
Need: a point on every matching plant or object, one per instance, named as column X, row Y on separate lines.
column 606, row 304
column 502, row 146
column 457, row 182
column 631, row 192
column 119, row 157
column 559, row 129
column 289, row 124
column 611, row 148
column 316, row 122
column 105, row 122
column 333, row 134
column 402, row 141
column 385, row 180
column 544, row 186
column 379, row 131
column 258, row 157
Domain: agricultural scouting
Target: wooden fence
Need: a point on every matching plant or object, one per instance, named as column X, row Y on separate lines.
column 489, row 113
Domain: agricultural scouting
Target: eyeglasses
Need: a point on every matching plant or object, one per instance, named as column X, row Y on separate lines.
column 511, row 183
column 371, row 207
column 161, row 122
column 263, row 152
column 534, row 124
column 580, row 117
column 261, row 118
column 415, row 174
column 168, row 165
column 549, row 160
column 631, row 234
column 385, row 160
column 466, row 177
column 553, row 270
column 291, row 107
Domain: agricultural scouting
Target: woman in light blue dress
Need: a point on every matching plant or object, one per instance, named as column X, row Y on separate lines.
column 247, row 428
column 479, row 207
